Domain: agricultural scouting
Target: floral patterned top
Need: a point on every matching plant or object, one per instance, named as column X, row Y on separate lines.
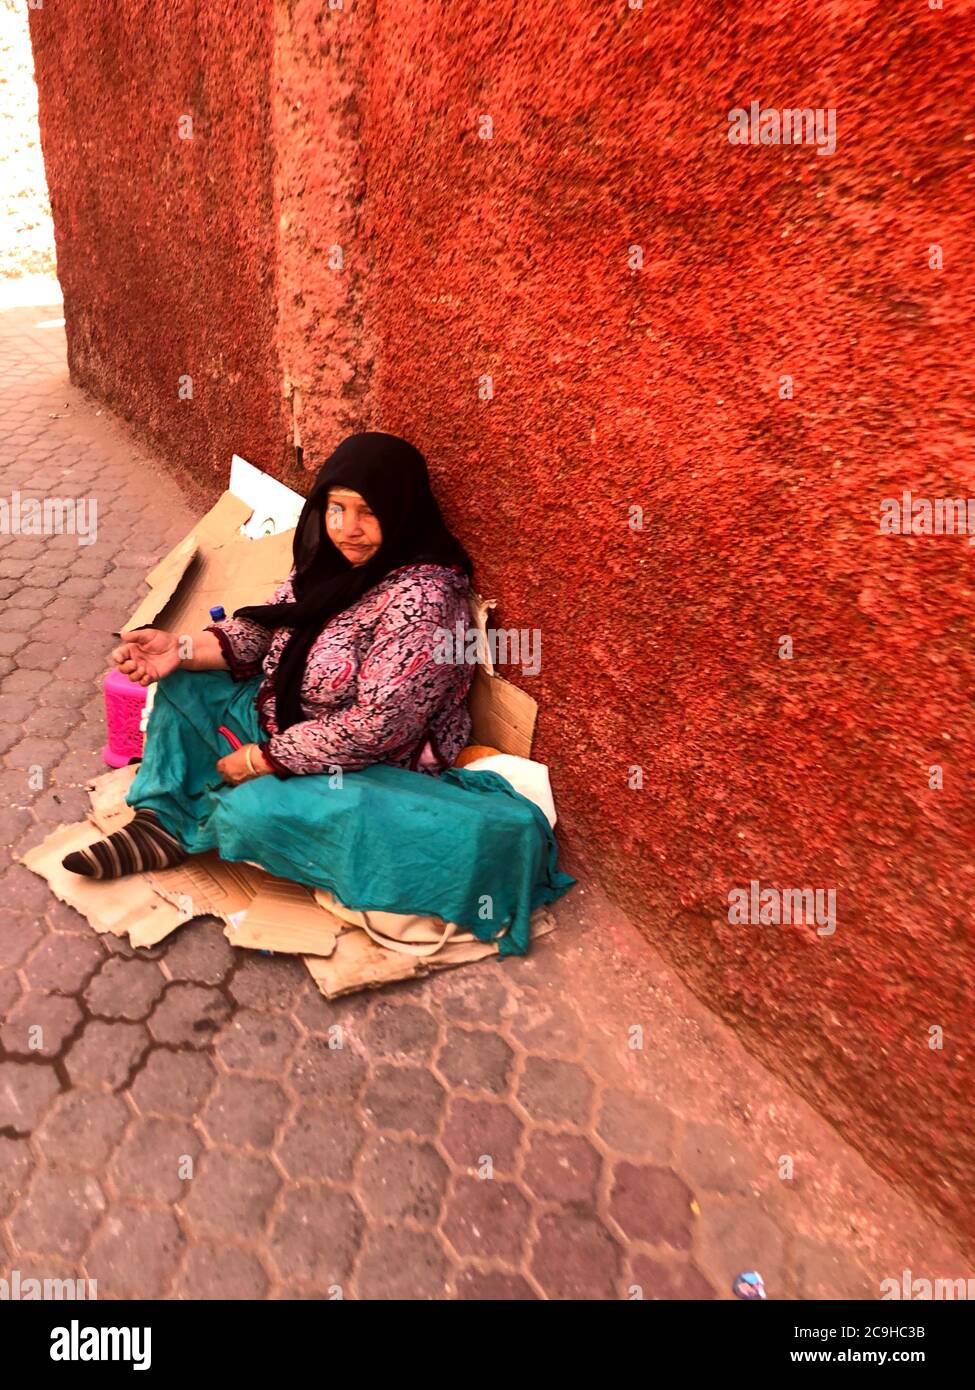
column 373, row 690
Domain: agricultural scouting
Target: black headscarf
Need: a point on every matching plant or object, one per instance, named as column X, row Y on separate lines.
column 392, row 476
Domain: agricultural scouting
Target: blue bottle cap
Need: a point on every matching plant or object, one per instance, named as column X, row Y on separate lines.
column 217, row 613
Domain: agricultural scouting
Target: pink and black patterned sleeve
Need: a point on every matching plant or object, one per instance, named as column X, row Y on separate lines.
column 400, row 686
column 244, row 644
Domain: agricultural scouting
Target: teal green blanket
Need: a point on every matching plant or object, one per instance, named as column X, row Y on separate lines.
column 464, row 846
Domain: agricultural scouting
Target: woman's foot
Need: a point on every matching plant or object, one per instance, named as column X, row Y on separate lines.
column 142, row 844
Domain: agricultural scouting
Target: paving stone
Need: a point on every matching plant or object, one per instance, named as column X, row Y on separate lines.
column 25, row 682
column 58, row 1213
column 487, row 1218
column 829, row 1272
column 105, row 1053
column 322, row 1142
column 36, row 655
column 575, row 1257
column 201, row 953
column 76, row 768
column 16, row 1163
column 554, row 1090
column 26, row 1092
column 320, row 1072
column 714, row 1160
column 173, row 1083
column 738, row 1235
column 13, row 818
column 125, row 989
column 28, row 597
column 10, row 990
column 479, row 1129
column 407, row 1099
column 11, row 644
column 222, row 1272
column 81, row 587
column 135, row 1254
column 82, row 1129
column 64, row 693
column 39, row 1024
column 62, row 918
column 20, row 620
column 477, row 1060
column 244, row 1110
column 400, row 1030
column 315, row 1236
column 316, row 1014
column 16, row 789
column 550, row 1026
column 256, row 1042
column 188, row 1014
column 632, row 1124
column 22, row 891
column 401, row 1265
column 156, row 1159
column 402, row 1179
column 19, row 934
column 473, row 1286
column 471, row 996
column 81, row 666
column 669, row 1279
column 13, row 823
column 63, row 962
column 651, row 1204
column 562, row 1168
column 232, row 1193
column 268, row 982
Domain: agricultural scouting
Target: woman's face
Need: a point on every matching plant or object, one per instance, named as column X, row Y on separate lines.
column 351, row 525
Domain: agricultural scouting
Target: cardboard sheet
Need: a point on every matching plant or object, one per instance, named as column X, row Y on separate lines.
column 358, row 963
column 284, row 916
column 213, row 564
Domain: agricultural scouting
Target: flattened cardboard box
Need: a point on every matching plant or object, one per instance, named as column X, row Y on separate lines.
column 214, row 564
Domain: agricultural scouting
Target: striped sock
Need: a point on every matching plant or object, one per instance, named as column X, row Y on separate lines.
column 142, row 844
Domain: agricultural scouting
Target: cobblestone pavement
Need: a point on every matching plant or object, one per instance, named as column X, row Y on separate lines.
column 485, row 1133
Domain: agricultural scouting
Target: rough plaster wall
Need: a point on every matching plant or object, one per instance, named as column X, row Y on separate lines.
column 324, row 281
column 166, row 246
column 26, row 229
column 658, row 387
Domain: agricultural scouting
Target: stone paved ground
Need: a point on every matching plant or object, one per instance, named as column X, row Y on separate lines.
column 363, row 1167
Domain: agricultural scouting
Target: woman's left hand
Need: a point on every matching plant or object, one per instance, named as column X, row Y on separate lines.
column 234, row 769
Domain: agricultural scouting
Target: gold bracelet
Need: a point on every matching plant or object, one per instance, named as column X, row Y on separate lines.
column 247, row 756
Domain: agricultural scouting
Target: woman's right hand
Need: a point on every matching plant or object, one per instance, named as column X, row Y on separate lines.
column 146, row 655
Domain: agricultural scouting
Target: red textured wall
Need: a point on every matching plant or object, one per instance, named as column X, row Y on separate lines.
column 656, row 387
column 166, row 246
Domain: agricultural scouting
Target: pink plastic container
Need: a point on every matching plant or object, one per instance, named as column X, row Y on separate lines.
column 124, row 702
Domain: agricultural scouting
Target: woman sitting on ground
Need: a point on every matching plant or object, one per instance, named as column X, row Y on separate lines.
column 336, row 672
